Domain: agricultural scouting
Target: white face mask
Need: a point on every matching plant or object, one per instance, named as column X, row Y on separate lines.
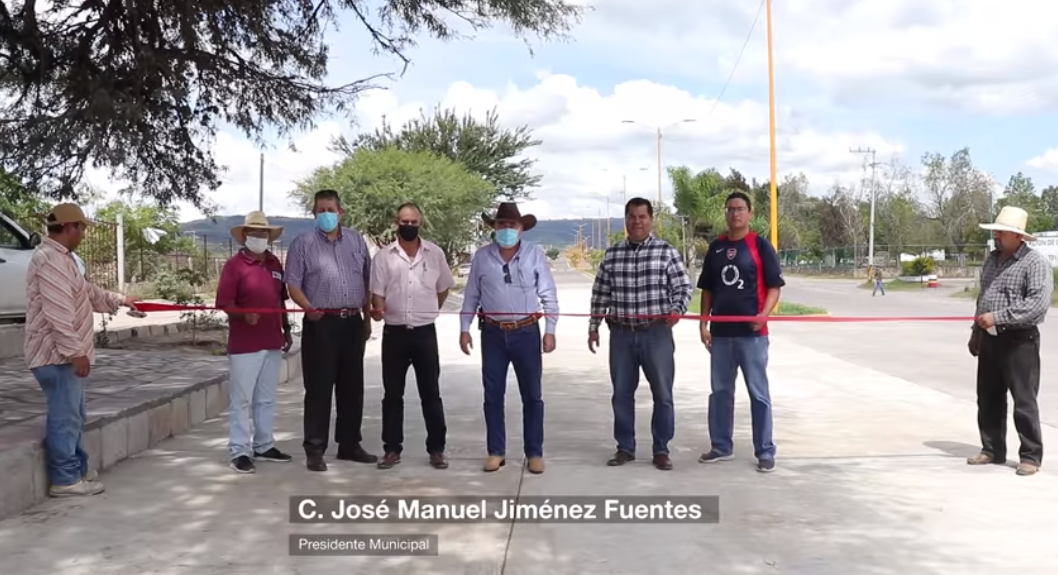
column 257, row 245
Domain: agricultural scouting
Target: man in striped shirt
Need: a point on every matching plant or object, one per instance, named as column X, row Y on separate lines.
column 60, row 345
column 641, row 288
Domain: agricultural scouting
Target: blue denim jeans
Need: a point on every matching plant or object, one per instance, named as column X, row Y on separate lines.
column 653, row 350
column 523, row 349
column 252, row 396
column 750, row 354
column 64, row 431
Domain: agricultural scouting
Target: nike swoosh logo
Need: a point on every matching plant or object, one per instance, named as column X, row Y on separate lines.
column 719, row 250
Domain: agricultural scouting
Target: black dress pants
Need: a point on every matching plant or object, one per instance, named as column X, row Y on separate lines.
column 414, row 347
column 1010, row 362
column 332, row 362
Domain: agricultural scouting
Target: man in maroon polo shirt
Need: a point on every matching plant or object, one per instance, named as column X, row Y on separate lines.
column 250, row 285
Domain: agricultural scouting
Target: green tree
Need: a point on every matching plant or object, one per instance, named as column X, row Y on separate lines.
column 141, row 88
column 1049, row 198
column 1021, row 192
column 373, row 184
column 143, row 219
column 21, row 205
column 484, row 147
column 958, row 197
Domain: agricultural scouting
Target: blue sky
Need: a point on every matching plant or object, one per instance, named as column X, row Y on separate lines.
column 893, row 75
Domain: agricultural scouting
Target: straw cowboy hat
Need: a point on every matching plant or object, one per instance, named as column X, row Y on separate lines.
column 508, row 211
column 255, row 220
column 1011, row 219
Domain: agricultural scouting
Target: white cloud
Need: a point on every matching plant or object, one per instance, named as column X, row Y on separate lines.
column 1047, row 161
column 586, row 146
column 983, row 56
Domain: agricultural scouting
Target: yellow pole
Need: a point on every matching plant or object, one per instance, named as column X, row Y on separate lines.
column 774, row 219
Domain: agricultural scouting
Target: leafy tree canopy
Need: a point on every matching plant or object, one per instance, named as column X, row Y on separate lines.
column 485, row 147
column 373, row 184
column 140, row 87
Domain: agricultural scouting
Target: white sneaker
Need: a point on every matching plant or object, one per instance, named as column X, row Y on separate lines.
column 80, row 489
column 92, row 475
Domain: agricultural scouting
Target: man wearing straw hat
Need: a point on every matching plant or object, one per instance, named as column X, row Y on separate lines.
column 253, row 294
column 1016, row 287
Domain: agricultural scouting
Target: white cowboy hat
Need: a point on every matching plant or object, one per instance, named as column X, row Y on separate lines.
column 1011, row 219
column 255, row 220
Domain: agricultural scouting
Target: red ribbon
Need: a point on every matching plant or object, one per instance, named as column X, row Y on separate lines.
column 166, row 307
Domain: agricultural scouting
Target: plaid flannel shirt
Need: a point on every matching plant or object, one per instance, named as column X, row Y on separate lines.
column 1017, row 291
column 633, row 280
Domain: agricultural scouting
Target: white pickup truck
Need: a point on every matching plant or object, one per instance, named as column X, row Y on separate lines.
column 16, row 249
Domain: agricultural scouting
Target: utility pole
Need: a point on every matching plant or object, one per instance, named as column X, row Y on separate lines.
column 260, row 185
column 874, row 192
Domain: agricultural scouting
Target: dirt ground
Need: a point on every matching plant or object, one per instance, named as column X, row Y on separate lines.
column 209, row 340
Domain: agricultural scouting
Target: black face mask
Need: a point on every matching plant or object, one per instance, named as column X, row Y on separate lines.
column 408, row 233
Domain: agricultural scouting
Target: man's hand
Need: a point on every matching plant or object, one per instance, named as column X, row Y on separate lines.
column 762, row 320
column 975, row 343
column 707, row 337
column 466, row 343
column 673, row 319
column 81, row 367
column 313, row 315
column 549, row 342
column 288, row 341
column 593, row 340
column 130, row 302
column 986, row 320
column 251, row 318
column 377, row 312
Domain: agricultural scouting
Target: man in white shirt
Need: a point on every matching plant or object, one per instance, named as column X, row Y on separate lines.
column 410, row 279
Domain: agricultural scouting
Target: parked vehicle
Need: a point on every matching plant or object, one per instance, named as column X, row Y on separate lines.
column 16, row 250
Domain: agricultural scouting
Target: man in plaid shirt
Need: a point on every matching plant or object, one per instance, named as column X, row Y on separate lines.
column 1017, row 283
column 641, row 288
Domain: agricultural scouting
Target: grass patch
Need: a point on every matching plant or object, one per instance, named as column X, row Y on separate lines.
column 896, row 285
column 786, row 308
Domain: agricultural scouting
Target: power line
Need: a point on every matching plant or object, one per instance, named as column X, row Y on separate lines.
column 739, row 59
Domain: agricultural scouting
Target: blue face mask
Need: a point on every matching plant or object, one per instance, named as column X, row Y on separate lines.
column 327, row 221
column 507, row 237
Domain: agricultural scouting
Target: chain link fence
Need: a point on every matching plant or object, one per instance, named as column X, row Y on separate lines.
column 854, row 261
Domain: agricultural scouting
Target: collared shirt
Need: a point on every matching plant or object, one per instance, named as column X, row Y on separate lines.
column 410, row 284
column 1018, row 291
column 639, row 279
column 252, row 284
column 59, row 305
column 512, row 290
column 333, row 274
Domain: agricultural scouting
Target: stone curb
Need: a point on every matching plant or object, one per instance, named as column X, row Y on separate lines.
column 126, row 426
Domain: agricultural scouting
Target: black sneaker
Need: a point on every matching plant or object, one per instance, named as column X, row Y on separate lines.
column 243, row 464
column 274, row 455
column 766, row 465
column 714, row 457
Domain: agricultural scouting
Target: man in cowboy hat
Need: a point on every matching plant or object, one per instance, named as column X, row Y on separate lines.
column 252, row 292
column 509, row 279
column 60, row 345
column 1016, row 287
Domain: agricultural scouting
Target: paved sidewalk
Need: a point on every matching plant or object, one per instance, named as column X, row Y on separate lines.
column 871, row 480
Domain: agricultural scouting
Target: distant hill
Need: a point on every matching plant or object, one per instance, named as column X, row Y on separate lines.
column 558, row 233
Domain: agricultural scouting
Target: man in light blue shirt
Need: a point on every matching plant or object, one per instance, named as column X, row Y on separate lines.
column 510, row 280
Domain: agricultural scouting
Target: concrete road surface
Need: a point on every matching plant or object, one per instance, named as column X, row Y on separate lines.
column 932, row 354
column 871, row 476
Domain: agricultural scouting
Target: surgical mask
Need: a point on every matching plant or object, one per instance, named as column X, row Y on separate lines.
column 257, row 245
column 408, row 233
column 327, row 221
column 507, row 237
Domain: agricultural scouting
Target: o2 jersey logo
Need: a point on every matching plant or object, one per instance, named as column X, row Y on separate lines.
column 732, row 277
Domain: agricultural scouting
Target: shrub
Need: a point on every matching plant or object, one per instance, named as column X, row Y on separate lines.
column 920, row 266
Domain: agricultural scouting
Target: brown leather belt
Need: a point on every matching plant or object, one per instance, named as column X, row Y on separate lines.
column 512, row 324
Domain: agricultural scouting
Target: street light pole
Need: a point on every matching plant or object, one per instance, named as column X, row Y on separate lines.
column 874, row 193
column 658, row 131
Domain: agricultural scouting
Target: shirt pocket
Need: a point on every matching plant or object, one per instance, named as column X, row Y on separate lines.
column 428, row 278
